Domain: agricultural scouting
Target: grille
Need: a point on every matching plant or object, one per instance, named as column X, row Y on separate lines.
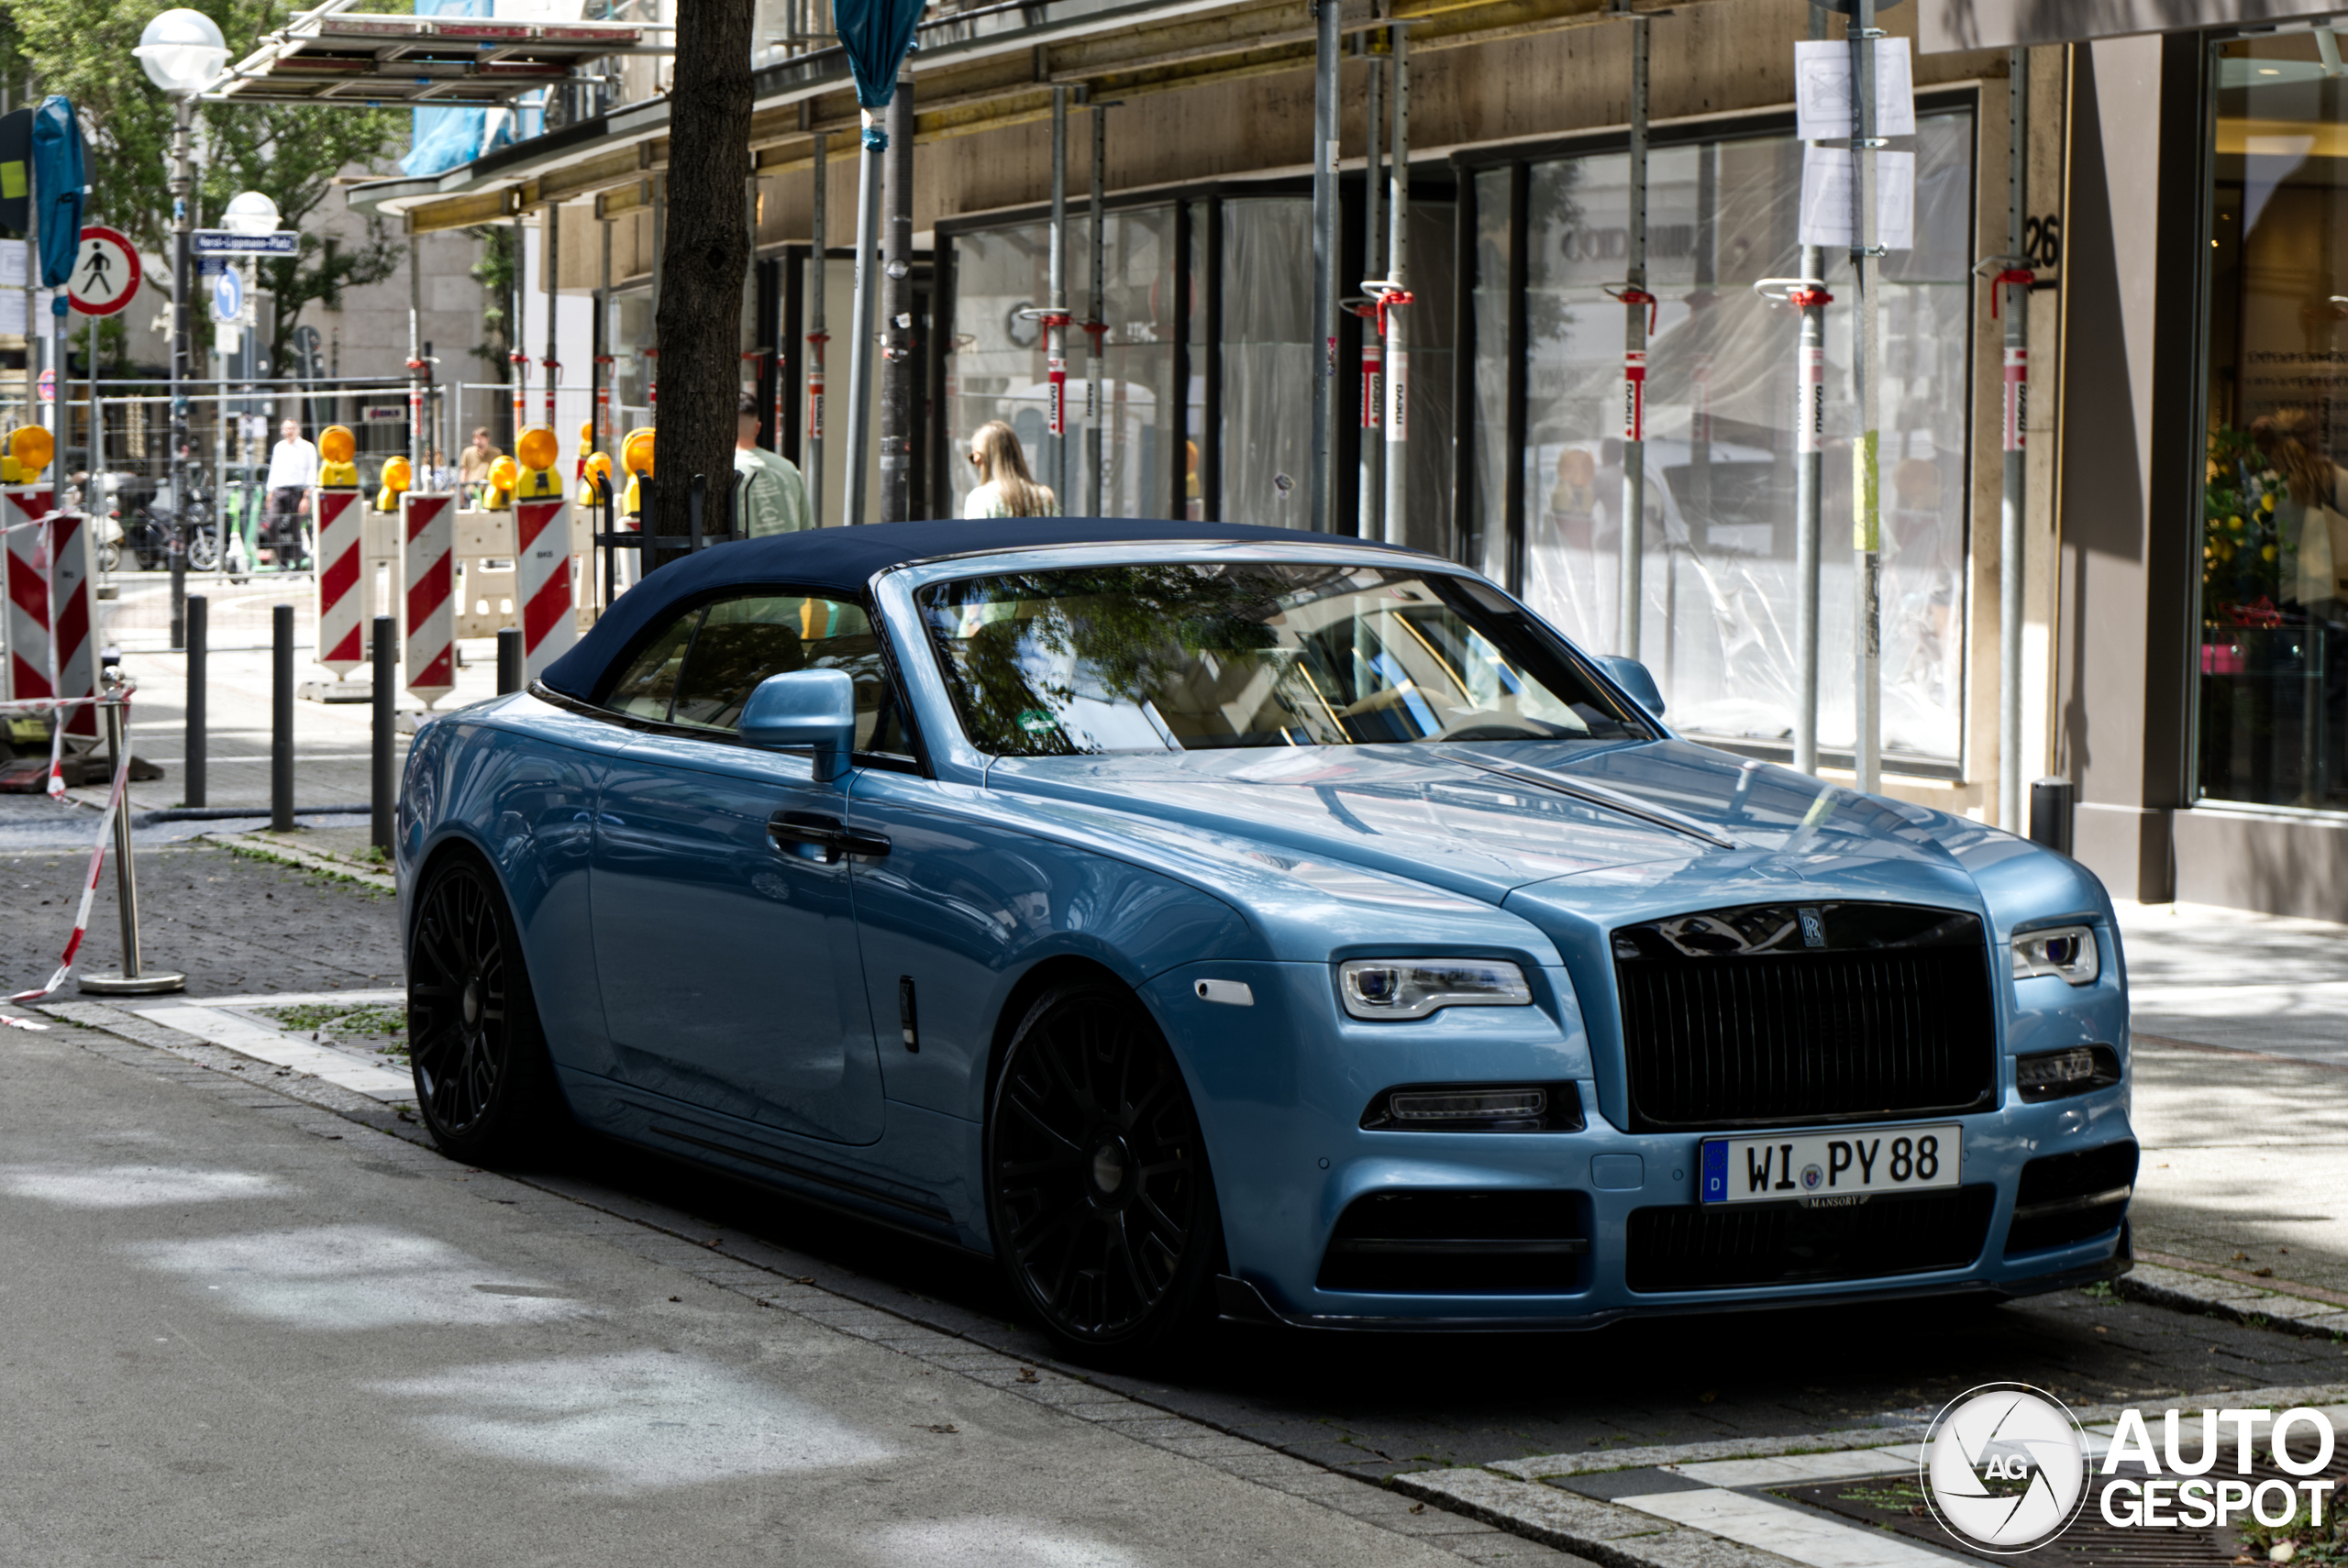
column 1886, row 1013
column 1441, row 1242
column 2064, row 1199
column 1721, row 1247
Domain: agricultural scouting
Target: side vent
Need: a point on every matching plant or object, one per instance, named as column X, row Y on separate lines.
column 905, row 1018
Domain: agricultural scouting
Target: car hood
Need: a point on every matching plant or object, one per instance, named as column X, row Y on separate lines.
column 1608, row 831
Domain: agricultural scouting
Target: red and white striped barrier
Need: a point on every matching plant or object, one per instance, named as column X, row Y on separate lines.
column 549, row 610
column 342, row 585
column 98, row 861
column 429, row 654
column 48, row 572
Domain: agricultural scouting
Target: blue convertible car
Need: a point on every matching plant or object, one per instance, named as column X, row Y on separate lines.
column 1205, row 918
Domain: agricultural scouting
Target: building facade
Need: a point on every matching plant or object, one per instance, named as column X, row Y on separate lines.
column 2182, row 660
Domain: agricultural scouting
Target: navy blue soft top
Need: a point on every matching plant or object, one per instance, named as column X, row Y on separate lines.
column 841, row 561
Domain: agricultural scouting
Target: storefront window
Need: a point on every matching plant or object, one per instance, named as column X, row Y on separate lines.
column 1719, row 526
column 997, row 370
column 2274, row 649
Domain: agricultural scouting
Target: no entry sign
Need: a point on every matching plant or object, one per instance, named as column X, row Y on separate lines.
column 105, row 273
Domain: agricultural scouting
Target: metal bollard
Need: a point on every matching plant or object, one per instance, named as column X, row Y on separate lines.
column 385, row 738
column 2050, row 813
column 509, row 660
column 281, row 719
column 199, row 633
column 132, row 980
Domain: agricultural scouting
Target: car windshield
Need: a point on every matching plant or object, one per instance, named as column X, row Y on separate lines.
column 1187, row 657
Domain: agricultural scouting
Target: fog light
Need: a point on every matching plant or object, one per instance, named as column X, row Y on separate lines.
column 1471, row 1105
column 2053, row 1069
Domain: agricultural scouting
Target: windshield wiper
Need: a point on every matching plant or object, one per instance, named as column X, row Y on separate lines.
column 1590, row 794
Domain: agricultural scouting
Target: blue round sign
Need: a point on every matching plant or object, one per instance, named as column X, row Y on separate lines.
column 227, row 295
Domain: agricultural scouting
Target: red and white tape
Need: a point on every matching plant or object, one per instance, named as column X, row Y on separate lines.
column 90, row 882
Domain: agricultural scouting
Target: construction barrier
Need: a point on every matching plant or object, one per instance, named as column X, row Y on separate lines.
column 549, row 601
column 48, row 585
column 346, row 594
column 429, row 653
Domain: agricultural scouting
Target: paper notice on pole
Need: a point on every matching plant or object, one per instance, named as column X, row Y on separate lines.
column 12, row 264
column 12, row 308
column 1826, row 198
column 1823, row 89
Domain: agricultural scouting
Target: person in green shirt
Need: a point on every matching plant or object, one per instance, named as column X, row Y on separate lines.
column 770, row 496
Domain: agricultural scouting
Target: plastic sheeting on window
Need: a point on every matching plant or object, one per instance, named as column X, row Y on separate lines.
column 1267, row 361
column 1719, row 533
column 996, row 369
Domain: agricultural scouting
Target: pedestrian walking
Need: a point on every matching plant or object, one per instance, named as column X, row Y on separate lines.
column 770, row 497
column 1006, row 488
column 292, row 473
column 472, row 466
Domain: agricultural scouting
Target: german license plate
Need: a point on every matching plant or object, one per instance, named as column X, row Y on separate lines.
column 1776, row 1168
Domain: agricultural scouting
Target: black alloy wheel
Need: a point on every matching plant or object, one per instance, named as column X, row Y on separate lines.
column 1098, row 1193
column 482, row 1079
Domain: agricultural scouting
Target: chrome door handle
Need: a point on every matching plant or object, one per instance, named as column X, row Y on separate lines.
column 829, row 834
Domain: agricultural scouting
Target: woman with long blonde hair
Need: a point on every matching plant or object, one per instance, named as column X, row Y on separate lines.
column 1005, row 486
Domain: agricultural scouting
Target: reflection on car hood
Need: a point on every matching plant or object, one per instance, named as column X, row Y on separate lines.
column 1486, row 820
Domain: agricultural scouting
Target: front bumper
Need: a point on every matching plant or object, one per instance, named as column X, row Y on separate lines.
column 1282, row 1088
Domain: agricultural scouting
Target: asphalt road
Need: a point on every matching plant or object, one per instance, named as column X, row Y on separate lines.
column 1370, row 1405
column 242, row 1330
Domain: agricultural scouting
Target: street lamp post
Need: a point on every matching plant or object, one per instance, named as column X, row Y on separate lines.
column 184, row 52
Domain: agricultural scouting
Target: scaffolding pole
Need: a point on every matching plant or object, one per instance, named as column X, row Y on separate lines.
column 1636, row 304
column 418, row 446
column 599, row 390
column 551, row 222
column 1096, row 327
column 2013, row 280
column 1369, row 486
column 812, row 468
column 859, row 357
column 518, row 354
column 1055, row 316
column 1810, row 475
column 1867, row 533
column 1322, row 483
column 1397, row 294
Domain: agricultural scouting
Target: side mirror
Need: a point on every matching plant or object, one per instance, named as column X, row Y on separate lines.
column 805, row 707
column 1633, row 676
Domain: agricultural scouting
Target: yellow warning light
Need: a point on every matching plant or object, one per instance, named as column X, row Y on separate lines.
column 635, row 452
column 30, row 446
column 397, row 477
column 537, row 447
column 336, row 443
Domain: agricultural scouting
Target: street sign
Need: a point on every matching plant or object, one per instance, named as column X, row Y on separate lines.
column 105, row 273
column 229, row 296
column 49, row 386
column 223, row 242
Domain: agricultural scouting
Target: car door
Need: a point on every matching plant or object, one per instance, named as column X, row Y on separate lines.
column 725, row 951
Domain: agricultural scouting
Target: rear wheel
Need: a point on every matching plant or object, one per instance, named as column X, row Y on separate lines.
column 203, row 550
column 1098, row 1193
column 483, row 1079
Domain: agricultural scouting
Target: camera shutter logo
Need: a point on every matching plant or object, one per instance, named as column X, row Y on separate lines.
column 2005, row 1468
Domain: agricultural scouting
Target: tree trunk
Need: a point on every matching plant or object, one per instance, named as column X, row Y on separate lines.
column 699, row 327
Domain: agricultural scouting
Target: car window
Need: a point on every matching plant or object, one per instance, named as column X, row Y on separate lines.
column 1184, row 656
column 701, row 668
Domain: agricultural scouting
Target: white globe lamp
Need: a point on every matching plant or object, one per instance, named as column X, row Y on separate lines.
column 182, row 51
column 251, row 213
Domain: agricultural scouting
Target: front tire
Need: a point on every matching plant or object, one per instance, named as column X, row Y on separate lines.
column 1099, row 1197
column 483, row 1081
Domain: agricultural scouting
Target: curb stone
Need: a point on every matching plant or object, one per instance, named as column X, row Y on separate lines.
column 266, row 846
column 2183, row 1292
column 1617, row 1537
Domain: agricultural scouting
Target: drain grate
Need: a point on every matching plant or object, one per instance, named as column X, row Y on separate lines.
column 1897, row 1503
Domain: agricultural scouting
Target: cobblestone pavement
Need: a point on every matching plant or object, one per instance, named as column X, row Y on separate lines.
column 233, row 924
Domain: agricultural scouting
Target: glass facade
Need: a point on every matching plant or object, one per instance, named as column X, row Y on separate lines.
column 1246, row 279
column 1719, row 533
column 995, row 366
column 2272, row 700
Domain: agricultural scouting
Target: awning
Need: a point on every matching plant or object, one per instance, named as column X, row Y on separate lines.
column 378, row 61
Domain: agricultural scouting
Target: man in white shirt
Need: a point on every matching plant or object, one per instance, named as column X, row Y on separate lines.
column 772, row 498
column 292, row 470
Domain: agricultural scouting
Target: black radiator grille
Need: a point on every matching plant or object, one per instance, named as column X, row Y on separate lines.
column 1779, row 1037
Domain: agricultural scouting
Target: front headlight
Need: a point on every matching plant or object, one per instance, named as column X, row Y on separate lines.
column 2065, row 950
column 1383, row 988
